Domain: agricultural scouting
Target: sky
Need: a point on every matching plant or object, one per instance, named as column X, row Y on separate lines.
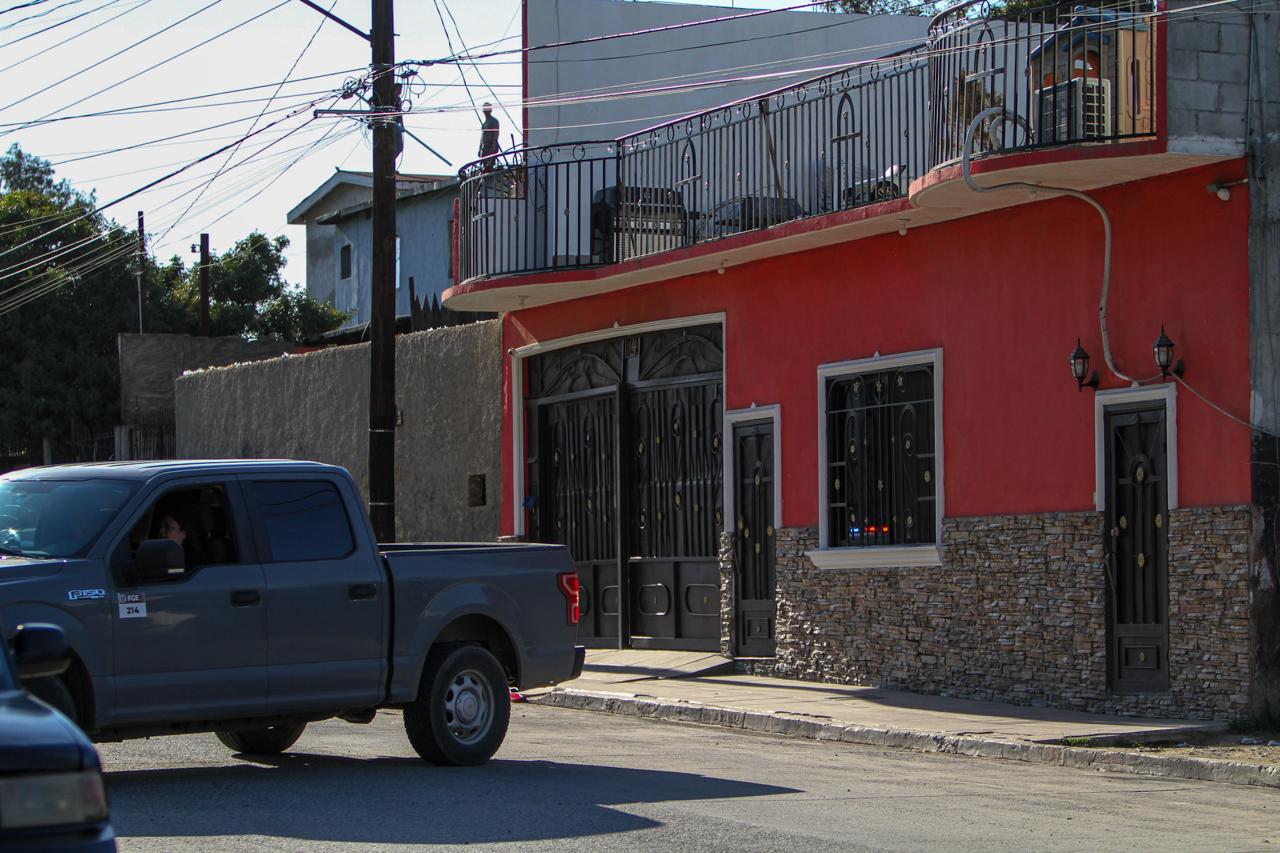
column 168, row 67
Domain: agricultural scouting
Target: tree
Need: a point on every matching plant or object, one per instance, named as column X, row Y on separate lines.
column 248, row 294
column 885, row 7
column 59, row 364
column 58, row 352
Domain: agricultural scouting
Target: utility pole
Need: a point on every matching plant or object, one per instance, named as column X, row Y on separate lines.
column 382, row 345
column 204, row 285
column 142, row 260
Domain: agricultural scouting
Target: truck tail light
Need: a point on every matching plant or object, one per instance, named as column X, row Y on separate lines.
column 568, row 583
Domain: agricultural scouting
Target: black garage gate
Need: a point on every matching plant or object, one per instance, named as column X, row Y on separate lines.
column 629, row 429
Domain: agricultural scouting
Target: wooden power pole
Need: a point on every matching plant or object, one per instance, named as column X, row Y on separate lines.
column 382, row 351
column 204, row 285
column 142, row 261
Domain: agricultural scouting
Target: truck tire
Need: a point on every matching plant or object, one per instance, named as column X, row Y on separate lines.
column 53, row 691
column 265, row 741
column 461, row 714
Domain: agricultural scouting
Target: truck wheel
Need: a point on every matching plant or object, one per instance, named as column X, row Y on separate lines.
column 267, row 741
column 52, row 690
column 462, row 710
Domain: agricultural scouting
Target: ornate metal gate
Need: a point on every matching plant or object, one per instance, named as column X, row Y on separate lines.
column 753, row 468
column 628, row 430
column 1137, row 545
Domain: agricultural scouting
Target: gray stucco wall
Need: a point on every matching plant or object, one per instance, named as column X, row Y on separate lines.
column 766, row 44
column 315, row 406
column 423, row 225
column 150, row 363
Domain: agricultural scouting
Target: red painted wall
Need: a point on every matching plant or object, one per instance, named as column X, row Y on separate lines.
column 1005, row 295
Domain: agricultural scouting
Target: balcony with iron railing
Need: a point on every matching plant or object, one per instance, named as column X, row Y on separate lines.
column 869, row 149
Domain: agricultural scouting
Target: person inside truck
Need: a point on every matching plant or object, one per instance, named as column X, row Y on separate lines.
column 171, row 524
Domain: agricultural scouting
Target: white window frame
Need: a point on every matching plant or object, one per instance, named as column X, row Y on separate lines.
column 885, row 556
column 773, row 413
column 1166, row 393
column 519, row 354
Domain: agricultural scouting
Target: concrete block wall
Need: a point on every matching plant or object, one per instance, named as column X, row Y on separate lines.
column 1208, row 79
column 150, row 363
column 315, row 406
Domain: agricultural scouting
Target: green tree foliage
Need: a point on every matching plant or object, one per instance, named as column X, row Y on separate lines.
column 59, row 368
column 248, row 294
column 885, row 7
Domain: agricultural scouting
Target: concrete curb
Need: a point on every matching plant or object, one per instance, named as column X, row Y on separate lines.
column 796, row 725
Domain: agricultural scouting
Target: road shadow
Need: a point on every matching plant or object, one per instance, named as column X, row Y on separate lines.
column 400, row 800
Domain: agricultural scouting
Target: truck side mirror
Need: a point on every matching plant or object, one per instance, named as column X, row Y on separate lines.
column 159, row 560
column 40, row 650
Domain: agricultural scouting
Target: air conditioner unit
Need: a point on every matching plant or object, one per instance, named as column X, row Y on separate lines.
column 1075, row 110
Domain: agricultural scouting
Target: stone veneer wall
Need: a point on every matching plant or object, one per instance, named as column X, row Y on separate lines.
column 728, row 595
column 1017, row 613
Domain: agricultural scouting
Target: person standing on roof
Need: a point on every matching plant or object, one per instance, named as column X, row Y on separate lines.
column 488, row 132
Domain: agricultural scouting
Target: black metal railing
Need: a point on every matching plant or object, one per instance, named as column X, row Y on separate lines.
column 1067, row 73
column 1064, row 74
column 522, row 211
column 830, row 143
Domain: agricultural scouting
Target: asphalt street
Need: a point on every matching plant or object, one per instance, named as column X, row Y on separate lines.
column 577, row 780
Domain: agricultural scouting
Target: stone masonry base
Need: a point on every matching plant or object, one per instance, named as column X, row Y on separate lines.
column 1017, row 613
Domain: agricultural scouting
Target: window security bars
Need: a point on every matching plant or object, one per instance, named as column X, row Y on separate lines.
column 881, row 459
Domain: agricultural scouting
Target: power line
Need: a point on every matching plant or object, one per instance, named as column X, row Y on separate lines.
column 100, row 62
column 32, row 3
column 183, row 135
column 167, row 176
column 479, row 73
column 100, row 256
column 231, row 155
column 182, row 103
column 156, row 65
column 71, row 38
column 448, row 40
column 64, row 22
column 319, row 145
column 610, row 36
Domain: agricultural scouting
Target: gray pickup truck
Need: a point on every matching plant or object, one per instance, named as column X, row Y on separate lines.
column 249, row 598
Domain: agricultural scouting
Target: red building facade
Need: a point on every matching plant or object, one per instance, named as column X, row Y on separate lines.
column 840, row 439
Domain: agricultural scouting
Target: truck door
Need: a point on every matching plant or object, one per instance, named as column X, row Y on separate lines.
column 326, row 596
column 194, row 647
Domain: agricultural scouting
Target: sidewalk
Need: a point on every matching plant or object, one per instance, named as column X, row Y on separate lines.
column 696, row 688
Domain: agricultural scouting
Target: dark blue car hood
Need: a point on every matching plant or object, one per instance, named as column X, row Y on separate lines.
column 35, row 738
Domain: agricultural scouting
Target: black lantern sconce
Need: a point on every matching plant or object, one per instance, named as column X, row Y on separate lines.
column 1162, row 349
column 1080, row 368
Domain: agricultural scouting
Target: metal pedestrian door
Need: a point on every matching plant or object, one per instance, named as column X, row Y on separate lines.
column 754, row 534
column 625, row 467
column 1137, row 549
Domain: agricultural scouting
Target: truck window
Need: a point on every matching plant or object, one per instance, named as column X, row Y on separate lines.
column 195, row 517
column 57, row 518
column 304, row 520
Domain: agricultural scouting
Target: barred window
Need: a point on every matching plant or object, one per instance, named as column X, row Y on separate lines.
column 881, row 458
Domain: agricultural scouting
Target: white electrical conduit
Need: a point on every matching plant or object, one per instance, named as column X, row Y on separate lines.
column 991, row 112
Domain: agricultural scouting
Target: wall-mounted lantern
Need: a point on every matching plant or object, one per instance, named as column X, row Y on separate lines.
column 1080, row 368
column 1163, row 351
